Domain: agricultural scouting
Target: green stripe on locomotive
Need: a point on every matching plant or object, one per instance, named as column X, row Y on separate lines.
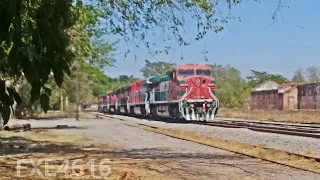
column 159, row 79
column 181, row 92
column 161, row 90
column 181, row 82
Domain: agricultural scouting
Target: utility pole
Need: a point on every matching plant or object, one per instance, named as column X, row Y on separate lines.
column 77, row 91
column 61, row 100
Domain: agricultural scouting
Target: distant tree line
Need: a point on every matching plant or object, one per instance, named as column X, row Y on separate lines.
column 309, row 75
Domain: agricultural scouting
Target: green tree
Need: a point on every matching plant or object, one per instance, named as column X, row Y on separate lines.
column 298, row 76
column 86, row 38
column 37, row 37
column 91, row 50
column 33, row 42
column 121, row 81
column 101, row 82
column 258, row 77
column 85, row 87
column 313, row 74
column 156, row 68
column 231, row 88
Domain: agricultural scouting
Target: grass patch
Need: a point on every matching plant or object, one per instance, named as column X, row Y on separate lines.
column 242, row 148
column 301, row 116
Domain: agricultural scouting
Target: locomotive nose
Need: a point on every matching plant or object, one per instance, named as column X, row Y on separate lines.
column 199, row 85
column 199, row 80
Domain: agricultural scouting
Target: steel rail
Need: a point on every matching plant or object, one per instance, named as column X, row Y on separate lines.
column 312, row 133
column 296, row 129
column 269, row 129
column 246, row 154
column 317, row 159
column 272, row 123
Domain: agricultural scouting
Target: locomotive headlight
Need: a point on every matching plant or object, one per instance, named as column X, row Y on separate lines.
column 192, row 105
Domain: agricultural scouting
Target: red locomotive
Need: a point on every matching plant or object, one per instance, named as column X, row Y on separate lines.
column 188, row 92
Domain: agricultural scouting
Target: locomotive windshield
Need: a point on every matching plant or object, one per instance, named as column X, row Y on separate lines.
column 186, row 72
column 205, row 72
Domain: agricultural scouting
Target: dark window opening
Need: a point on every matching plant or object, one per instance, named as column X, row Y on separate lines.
column 205, row 72
column 188, row 72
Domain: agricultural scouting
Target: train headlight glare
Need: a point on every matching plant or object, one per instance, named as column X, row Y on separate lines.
column 191, row 105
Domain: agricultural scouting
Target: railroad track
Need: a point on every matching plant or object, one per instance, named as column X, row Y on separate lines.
column 289, row 129
column 294, row 130
column 312, row 131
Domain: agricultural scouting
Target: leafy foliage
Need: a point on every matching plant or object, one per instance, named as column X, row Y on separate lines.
column 309, row 75
column 92, row 81
column 121, row 81
column 313, row 74
column 298, row 76
column 101, row 83
column 86, row 37
column 141, row 19
column 33, row 43
column 42, row 37
column 258, row 77
column 230, row 86
column 156, row 68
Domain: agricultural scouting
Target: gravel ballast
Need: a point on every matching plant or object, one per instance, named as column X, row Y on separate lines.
column 293, row 144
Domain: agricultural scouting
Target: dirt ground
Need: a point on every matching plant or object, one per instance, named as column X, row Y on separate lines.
column 130, row 153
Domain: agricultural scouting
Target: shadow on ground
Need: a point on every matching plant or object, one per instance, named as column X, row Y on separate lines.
column 19, row 145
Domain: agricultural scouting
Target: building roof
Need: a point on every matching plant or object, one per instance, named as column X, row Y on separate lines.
column 286, row 87
column 306, row 84
column 265, row 86
column 271, row 85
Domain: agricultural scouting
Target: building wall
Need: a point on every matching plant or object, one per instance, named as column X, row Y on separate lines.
column 268, row 99
column 290, row 99
column 309, row 96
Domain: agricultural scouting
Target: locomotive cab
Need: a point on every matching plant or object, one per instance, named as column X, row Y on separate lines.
column 196, row 95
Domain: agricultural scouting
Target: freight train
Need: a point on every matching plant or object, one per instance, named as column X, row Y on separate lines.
column 186, row 93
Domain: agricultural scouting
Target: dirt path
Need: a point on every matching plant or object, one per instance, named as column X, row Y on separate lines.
column 154, row 156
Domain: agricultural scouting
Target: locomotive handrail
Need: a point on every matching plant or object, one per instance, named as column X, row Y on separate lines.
column 128, row 104
column 145, row 99
column 116, row 105
column 151, row 97
column 145, row 103
column 183, row 97
column 214, row 97
column 108, row 103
